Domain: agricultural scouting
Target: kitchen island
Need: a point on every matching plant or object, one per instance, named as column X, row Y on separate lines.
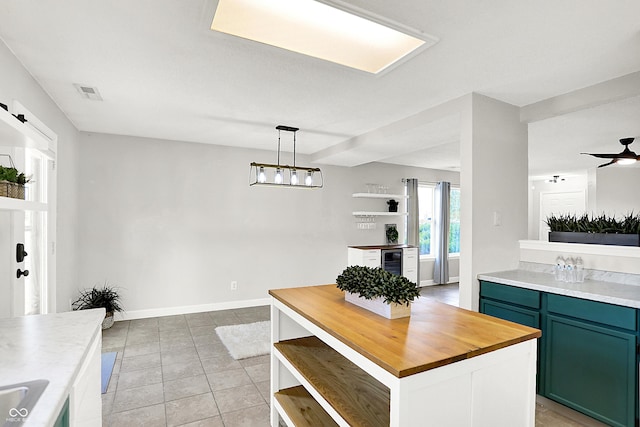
column 63, row 349
column 334, row 363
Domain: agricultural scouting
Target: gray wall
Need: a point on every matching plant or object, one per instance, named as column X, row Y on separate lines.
column 174, row 223
column 618, row 190
column 17, row 84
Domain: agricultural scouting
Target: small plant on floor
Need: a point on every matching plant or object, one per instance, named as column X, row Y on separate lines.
column 106, row 297
column 370, row 283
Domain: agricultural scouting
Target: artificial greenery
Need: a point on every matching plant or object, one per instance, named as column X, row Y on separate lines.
column 392, row 234
column 372, row 283
column 12, row 175
column 629, row 224
column 105, row 297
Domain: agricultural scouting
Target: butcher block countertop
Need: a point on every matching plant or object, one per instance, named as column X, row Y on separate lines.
column 435, row 335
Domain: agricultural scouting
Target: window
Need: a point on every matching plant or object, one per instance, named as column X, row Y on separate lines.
column 426, row 202
column 425, row 216
column 454, row 221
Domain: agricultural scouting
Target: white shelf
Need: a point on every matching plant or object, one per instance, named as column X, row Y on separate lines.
column 379, row 196
column 9, row 204
column 364, row 213
column 14, row 133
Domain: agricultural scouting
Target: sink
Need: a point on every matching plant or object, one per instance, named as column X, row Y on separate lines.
column 18, row 400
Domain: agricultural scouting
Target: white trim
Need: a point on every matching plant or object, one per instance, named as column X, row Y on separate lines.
column 172, row 311
column 607, row 250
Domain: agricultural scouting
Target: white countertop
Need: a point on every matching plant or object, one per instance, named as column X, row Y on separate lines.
column 50, row 347
column 595, row 290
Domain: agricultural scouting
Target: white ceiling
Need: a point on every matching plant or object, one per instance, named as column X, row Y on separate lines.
column 164, row 74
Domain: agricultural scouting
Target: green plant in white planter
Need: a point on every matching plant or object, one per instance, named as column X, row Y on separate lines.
column 105, row 297
column 378, row 290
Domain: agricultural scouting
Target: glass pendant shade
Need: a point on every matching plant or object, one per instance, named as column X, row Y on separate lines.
column 294, row 177
column 262, row 178
column 278, row 178
column 308, row 181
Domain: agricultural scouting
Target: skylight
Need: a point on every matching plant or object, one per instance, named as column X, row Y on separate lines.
column 319, row 30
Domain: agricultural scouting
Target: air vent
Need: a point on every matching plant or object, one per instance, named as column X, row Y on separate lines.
column 88, row 92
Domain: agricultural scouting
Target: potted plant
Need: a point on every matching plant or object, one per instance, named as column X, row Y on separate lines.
column 391, row 232
column 377, row 290
column 105, row 297
column 393, row 205
column 12, row 182
column 600, row 230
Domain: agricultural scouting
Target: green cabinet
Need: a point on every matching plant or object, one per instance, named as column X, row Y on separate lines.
column 588, row 351
column 591, row 369
column 63, row 417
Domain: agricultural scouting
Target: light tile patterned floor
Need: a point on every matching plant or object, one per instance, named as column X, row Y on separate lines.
column 174, row 371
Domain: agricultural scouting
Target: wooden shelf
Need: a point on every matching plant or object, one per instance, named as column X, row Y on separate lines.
column 366, row 213
column 358, row 397
column 379, row 196
column 9, row 204
column 302, row 409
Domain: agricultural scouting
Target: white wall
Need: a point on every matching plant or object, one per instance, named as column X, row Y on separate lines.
column 173, row 223
column 618, row 190
column 17, row 84
column 493, row 152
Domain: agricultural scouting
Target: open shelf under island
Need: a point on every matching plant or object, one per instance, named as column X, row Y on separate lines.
column 334, row 363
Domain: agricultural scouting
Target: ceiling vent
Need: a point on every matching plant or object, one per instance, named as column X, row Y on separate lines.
column 88, row 92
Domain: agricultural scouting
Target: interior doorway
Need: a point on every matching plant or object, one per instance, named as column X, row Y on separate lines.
column 560, row 202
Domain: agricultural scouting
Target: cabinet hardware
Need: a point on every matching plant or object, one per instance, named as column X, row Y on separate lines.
column 24, row 273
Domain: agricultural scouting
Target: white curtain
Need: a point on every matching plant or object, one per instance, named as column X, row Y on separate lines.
column 440, row 233
column 413, row 217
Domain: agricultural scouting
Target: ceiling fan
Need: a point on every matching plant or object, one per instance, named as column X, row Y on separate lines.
column 627, row 156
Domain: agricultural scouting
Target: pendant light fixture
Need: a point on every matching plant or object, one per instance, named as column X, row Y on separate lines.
column 285, row 175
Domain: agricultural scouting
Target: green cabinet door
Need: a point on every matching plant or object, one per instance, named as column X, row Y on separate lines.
column 509, row 312
column 591, row 369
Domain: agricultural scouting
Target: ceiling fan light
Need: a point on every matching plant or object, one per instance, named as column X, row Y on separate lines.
column 625, row 162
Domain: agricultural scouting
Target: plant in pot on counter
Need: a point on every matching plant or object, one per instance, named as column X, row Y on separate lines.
column 391, row 232
column 376, row 283
column 105, row 297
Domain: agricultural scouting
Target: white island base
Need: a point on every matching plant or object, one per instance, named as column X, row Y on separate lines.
column 442, row 367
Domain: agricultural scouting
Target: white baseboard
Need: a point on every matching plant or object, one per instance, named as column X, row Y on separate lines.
column 172, row 311
column 429, row 282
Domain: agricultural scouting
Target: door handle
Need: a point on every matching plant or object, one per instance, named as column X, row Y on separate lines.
column 20, row 252
column 24, row 273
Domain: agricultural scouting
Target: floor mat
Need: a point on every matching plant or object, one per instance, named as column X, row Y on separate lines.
column 108, row 360
column 247, row 340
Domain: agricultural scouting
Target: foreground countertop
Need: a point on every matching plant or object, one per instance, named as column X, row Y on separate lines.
column 50, row 347
column 435, row 335
column 595, row 290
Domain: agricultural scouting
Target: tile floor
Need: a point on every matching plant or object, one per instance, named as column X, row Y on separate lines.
column 174, row 371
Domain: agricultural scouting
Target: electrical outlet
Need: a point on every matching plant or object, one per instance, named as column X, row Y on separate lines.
column 234, row 285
